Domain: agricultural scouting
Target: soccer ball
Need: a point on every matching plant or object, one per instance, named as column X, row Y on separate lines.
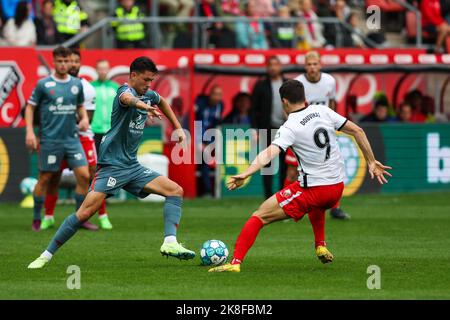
column 27, row 185
column 214, row 252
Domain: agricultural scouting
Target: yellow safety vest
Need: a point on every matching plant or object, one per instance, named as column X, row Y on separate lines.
column 129, row 31
column 68, row 17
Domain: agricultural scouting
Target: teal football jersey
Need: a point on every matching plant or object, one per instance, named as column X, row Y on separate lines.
column 120, row 144
column 56, row 101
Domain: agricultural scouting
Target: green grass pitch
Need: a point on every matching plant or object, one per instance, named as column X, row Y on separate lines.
column 407, row 236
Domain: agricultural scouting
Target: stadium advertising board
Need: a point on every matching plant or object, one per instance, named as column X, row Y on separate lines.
column 14, row 160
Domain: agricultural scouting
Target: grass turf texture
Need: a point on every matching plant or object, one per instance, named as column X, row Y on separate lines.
column 407, row 236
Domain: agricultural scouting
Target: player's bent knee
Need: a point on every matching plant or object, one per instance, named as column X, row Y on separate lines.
column 263, row 216
column 177, row 191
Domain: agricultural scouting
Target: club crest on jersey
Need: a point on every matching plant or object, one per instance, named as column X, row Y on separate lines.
column 74, row 90
column 111, row 182
column 286, row 193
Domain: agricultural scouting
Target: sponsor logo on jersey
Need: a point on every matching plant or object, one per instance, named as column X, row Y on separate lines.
column 286, row 193
column 51, row 159
column 50, row 84
column 111, row 182
column 11, row 95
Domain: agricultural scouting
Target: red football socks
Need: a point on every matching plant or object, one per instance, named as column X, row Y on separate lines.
column 50, row 204
column 317, row 219
column 246, row 238
column 102, row 209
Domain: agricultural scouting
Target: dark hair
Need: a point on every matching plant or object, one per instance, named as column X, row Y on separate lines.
column 61, row 52
column 75, row 51
column 293, row 91
column 270, row 58
column 143, row 64
column 47, row 1
column 22, row 13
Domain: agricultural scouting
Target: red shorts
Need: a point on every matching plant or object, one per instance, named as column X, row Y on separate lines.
column 297, row 201
column 89, row 150
column 290, row 158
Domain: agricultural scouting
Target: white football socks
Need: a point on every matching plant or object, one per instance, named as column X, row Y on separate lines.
column 47, row 255
column 170, row 239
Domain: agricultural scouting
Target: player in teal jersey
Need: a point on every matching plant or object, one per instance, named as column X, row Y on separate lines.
column 58, row 99
column 118, row 167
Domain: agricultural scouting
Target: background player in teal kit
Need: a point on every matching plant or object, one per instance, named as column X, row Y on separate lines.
column 118, row 166
column 58, row 99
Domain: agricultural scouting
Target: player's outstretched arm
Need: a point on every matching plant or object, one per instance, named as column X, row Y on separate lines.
column 170, row 115
column 263, row 158
column 376, row 168
column 30, row 139
column 128, row 100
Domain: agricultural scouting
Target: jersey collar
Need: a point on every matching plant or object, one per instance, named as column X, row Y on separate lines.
column 62, row 81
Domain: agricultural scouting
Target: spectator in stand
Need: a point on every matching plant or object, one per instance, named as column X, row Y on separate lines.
column 230, row 8
column 380, row 113
column 208, row 110
column 356, row 40
column 251, row 34
column 433, row 22
column 105, row 92
column 264, row 8
column 20, row 31
column 179, row 8
column 45, row 26
column 242, row 103
column 129, row 34
column 310, row 31
column 415, row 99
column 220, row 36
column 70, row 19
column 2, row 41
column 428, row 109
column 282, row 33
column 404, row 113
column 9, row 8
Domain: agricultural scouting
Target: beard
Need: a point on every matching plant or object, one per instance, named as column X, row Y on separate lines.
column 74, row 72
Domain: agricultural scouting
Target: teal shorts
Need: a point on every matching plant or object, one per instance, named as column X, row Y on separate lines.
column 51, row 154
column 110, row 179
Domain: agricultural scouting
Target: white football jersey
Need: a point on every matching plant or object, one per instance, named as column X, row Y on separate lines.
column 311, row 134
column 89, row 104
column 320, row 92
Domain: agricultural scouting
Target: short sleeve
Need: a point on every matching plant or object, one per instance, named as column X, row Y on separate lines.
column 153, row 96
column 36, row 95
column 333, row 89
column 80, row 97
column 336, row 119
column 284, row 138
column 121, row 91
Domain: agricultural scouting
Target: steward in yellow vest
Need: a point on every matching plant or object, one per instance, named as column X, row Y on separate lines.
column 129, row 33
column 69, row 18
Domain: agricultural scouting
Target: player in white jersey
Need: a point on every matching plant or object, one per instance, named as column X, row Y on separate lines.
column 88, row 143
column 320, row 88
column 311, row 132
